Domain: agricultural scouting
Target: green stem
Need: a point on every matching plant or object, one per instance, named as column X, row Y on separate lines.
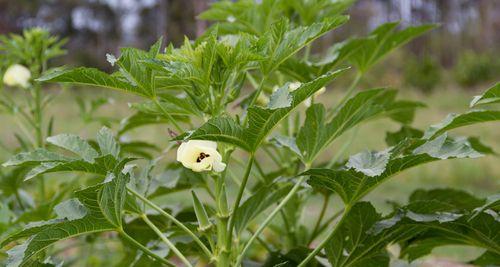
column 324, row 241
column 165, row 239
column 325, row 225
column 169, row 117
column 269, row 218
column 174, row 220
column 38, row 116
column 348, row 94
column 238, row 200
column 144, row 249
column 39, row 132
column 326, row 198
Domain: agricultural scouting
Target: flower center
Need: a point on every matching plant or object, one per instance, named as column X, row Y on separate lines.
column 202, row 156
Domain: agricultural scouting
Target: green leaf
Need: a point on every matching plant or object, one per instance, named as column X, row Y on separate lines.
column 492, row 95
column 257, row 204
column 201, row 214
column 317, row 10
column 316, row 134
column 286, row 141
column 113, row 195
column 381, row 41
column 487, row 259
column 176, row 178
column 75, row 217
column 450, row 200
column 35, row 156
column 428, row 221
column 74, row 144
column 353, row 245
column 352, row 185
column 140, row 119
column 393, row 138
column 280, row 98
column 403, row 111
column 281, row 42
column 370, row 163
column 136, row 73
column 107, row 143
column 437, row 223
column 90, row 77
column 44, row 161
column 262, row 121
column 453, row 121
column 220, row 129
column 101, row 166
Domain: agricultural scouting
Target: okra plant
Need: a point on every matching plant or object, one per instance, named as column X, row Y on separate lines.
column 246, row 143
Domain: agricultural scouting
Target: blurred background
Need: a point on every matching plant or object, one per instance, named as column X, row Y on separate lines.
column 465, row 49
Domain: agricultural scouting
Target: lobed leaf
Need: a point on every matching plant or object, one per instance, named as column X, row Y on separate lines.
column 453, row 121
column 317, row 134
column 381, row 41
column 352, row 185
column 90, row 77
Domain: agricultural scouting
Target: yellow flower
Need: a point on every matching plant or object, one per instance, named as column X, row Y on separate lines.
column 199, row 155
column 17, row 75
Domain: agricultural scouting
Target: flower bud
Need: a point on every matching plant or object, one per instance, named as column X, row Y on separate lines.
column 17, row 75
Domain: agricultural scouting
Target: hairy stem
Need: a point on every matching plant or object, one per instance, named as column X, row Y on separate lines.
column 269, row 218
column 165, row 239
column 144, row 249
column 326, row 239
column 174, row 220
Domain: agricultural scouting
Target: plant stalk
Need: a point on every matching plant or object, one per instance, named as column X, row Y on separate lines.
column 144, row 249
column 326, row 198
column 325, row 240
column 269, row 218
column 168, row 115
column 237, row 202
column 165, row 239
column 174, row 220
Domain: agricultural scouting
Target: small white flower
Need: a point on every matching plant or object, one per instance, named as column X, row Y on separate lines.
column 200, row 155
column 17, row 75
column 231, row 19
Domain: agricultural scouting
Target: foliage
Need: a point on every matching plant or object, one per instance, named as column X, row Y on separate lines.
column 208, row 89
